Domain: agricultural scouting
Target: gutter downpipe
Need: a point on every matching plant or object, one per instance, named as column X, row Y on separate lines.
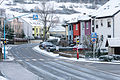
column 113, row 27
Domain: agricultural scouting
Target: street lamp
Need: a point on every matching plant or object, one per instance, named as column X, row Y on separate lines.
column 4, row 39
column 4, row 29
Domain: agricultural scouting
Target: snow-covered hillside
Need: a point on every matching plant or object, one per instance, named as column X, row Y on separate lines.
column 64, row 11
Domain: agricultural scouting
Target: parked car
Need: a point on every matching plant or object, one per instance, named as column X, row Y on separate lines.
column 106, row 58
column 116, row 57
column 46, row 45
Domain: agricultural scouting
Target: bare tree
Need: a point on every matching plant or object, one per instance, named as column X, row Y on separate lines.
column 87, row 43
column 47, row 17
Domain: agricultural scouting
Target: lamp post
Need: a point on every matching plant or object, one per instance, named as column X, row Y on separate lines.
column 4, row 39
column 4, row 29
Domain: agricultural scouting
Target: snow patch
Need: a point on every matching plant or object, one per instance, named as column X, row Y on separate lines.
column 92, row 60
column 2, row 78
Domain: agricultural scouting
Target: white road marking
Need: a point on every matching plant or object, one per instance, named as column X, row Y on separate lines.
column 27, row 60
column 19, row 60
column 41, row 59
column 34, row 59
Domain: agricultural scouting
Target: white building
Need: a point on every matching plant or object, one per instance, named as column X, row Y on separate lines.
column 32, row 28
column 106, row 21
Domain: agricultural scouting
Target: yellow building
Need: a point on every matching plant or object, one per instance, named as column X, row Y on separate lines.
column 36, row 31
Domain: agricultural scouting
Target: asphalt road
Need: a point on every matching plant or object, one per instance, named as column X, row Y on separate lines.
column 50, row 68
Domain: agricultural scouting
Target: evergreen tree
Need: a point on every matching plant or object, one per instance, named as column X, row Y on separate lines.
column 8, row 32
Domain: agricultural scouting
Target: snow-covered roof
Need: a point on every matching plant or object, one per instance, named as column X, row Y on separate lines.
column 114, row 42
column 109, row 9
column 32, row 22
column 84, row 17
column 57, row 28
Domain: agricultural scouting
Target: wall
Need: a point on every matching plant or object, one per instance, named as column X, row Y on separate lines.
column 27, row 28
column 117, row 25
column 87, row 30
column 70, row 33
column 104, row 30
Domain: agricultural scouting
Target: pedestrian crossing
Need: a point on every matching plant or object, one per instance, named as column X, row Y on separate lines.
column 33, row 59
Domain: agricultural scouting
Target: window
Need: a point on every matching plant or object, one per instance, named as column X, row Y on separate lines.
column 101, row 22
column 32, row 28
column 36, row 30
column 101, row 37
column 69, row 27
column 109, row 36
column 87, row 25
column 96, row 24
column 33, row 34
column 70, row 37
column 93, row 29
column 109, row 23
column 76, row 27
column 92, row 22
column 83, row 25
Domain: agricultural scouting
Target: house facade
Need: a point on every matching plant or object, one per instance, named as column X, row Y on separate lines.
column 17, row 26
column 106, row 22
column 76, row 32
column 70, row 33
column 79, row 29
column 32, row 28
column 2, row 17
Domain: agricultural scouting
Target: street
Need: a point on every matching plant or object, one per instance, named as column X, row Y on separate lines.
column 53, row 68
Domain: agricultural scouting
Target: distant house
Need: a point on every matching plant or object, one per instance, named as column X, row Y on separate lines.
column 79, row 28
column 70, row 31
column 85, row 27
column 113, row 45
column 17, row 26
column 76, row 31
column 106, row 21
column 2, row 17
column 58, row 31
column 32, row 28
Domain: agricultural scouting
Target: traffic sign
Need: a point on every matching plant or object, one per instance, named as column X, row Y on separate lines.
column 93, row 40
column 35, row 17
column 94, row 35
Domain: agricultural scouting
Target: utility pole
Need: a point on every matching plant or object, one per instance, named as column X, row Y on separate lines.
column 5, row 21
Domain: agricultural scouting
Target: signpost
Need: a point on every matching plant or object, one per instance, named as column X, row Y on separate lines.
column 93, row 38
column 77, row 49
column 35, row 17
column 5, row 21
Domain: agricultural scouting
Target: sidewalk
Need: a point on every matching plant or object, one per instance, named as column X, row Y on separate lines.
column 14, row 71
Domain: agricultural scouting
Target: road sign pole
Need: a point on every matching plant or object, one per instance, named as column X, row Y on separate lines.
column 4, row 39
column 77, row 54
column 94, row 51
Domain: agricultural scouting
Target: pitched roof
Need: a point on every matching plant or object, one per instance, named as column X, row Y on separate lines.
column 109, row 9
column 113, row 42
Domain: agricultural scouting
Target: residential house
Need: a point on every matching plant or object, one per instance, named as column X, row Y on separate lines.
column 32, row 28
column 2, row 17
column 76, row 31
column 85, row 27
column 106, row 21
column 58, row 31
column 70, row 32
column 17, row 26
column 113, row 45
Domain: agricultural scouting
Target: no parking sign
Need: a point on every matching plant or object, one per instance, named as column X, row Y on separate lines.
column 93, row 36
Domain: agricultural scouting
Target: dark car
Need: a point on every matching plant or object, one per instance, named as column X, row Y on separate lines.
column 106, row 58
column 46, row 45
column 116, row 57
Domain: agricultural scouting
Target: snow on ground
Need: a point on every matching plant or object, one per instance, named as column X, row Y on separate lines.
column 2, row 78
column 37, row 49
column 9, row 56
